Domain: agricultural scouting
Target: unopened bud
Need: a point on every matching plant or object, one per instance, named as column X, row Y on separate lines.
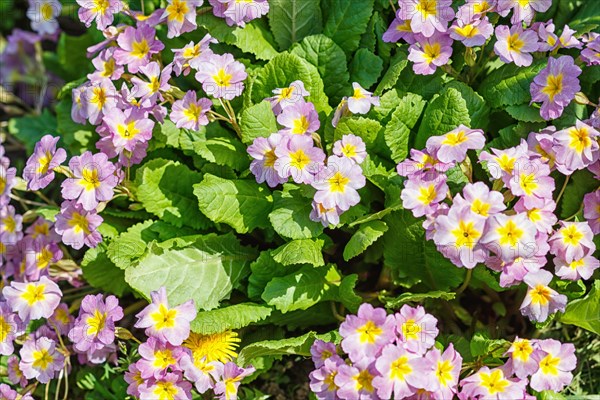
column 123, row 333
column 581, row 98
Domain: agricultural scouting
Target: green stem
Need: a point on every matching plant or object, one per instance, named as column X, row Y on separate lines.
column 562, row 190
column 465, row 284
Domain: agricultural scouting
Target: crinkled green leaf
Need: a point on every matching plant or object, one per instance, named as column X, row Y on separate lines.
column 203, row 268
column 404, row 118
column 582, row 182
column 292, row 20
column 396, row 302
column 524, row 112
column 366, row 128
column 218, row 146
column 290, row 215
column 389, row 79
column 100, row 272
column 585, row 312
column 479, row 111
column 264, row 269
column 241, row 204
column 164, row 188
column 230, row 317
column 365, row 68
column 346, row 22
column 365, row 236
column 257, row 121
column 30, row 129
column 302, row 251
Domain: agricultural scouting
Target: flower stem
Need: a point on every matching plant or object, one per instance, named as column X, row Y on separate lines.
column 562, row 190
column 465, row 284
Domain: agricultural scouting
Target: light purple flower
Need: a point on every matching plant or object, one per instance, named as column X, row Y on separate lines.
column 401, row 373
column 300, row 118
column 221, row 76
column 514, row 45
column 106, row 67
column 322, row 379
column 94, row 328
column 481, row 199
column 181, row 16
column 572, row 241
column 426, row 16
column 428, row 54
column 326, row 216
column 521, row 360
column 157, row 82
column 501, row 163
column 200, row 372
column 591, row 53
column 365, row 334
column 576, row 147
column 299, row 158
column 165, row 323
column 100, row 10
column 472, row 33
column 441, row 372
column 238, row 13
column 541, row 300
column 133, row 377
column 582, row 268
column 10, row 327
column 170, row 386
column 542, row 216
column 33, row 300
column 453, row 146
column 93, row 180
column 15, row 375
column 321, row 351
column 262, row 150
column 532, row 182
column 523, row 11
column 556, row 361
column 11, row 225
column 591, row 210
column 136, row 47
column 285, row 97
column 422, row 196
column 191, row 55
column 355, row 382
column 399, row 30
column 98, row 99
column 422, row 165
column 190, row 112
column 61, row 320
column 475, row 9
column 492, row 384
column 361, row 100
column 510, row 237
column 417, row 330
column 158, row 358
column 77, row 226
column 555, row 86
column 228, row 378
column 40, row 359
column 39, row 255
column 352, row 147
column 128, row 128
column 42, row 14
column 338, row 183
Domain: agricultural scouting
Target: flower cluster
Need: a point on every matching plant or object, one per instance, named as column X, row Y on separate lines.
column 295, row 151
column 479, row 225
column 397, row 356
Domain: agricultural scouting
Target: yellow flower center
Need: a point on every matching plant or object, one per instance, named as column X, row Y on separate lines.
column 193, row 112
column 369, row 332
column 481, row 208
column 467, row 31
column 46, row 11
column 571, row 235
column 478, row 8
column 128, row 131
column 41, row 359
column 510, row 234
column 358, row 94
column 540, row 295
column 164, row 317
column 41, row 230
column 494, row 382
column 34, row 293
column 165, row 390
column 96, row 323
column 431, row 51
column 222, row 78
column 549, row 365
column 109, row 68
column 577, row 264
column 98, row 97
column 44, row 163
column 286, row 93
column 163, row 359
column 427, row 8
column 349, row 150
column 454, row 139
column 154, row 84
column 515, row 43
column 100, row 6
column 270, row 158
column 300, row 125
column 443, row 372
column 364, row 381
column 89, row 179
column 554, row 86
column 523, row 350
column 506, row 163
column 404, row 27
column 192, row 52
column 44, row 258
column 534, row 215
column 466, row 234
column 299, row 159
column 410, row 330
column 580, row 139
column 177, row 10
column 330, row 381
column 338, row 182
column 140, row 49
column 9, row 224
column 5, row 329
column 528, row 183
column 427, row 194
column 400, row 368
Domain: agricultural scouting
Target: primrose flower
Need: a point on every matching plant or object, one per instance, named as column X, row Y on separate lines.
column 399, row 30
column 356, row 381
column 422, row 164
column 128, row 128
column 541, row 300
column 157, row 82
column 426, row 16
column 556, row 361
column 228, row 378
column 199, row 372
column 106, row 67
column 441, row 372
column 541, row 143
column 422, row 196
column 40, row 359
column 591, row 210
column 78, row 113
column 181, row 16
column 10, row 327
column 134, row 379
column 492, row 384
column 542, row 216
column 95, row 326
column 472, row 33
column 532, row 181
column 322, row 379
column 457, row 236
column 416, row 328
column 299, row 119
column 401, row 373
column 515, row 45
column 221, row 76
column 352, row 147
column 39, row 255
column 262, row 150
column 190, row 112
column 238, row 13
column 572, row 241
column 98, row 99
column 428, row 54
column 522, row 362
column 576, row 147
column 15, row 375
column 361, row 100
column 481, row 200
column 365, row 334
column 582, row 268
column 298, row 157
column 475, row 9
column 453, row 146
column 549, row 40
column 11, row 225
column 510, row 237
column 33, row 300
column 326, row 216
column 42, row 14
column 501, row 163
column 158, row 358
column 136, row 47
column 555, row 86
column 167, row 324
column 523, row 11
column 192, row 55
column 93, row 180
column 61, row 319
column 591, row 53
column 285, row 97
column 102, row 11
column 341, row 180
column 321, row 351
column 170, row 386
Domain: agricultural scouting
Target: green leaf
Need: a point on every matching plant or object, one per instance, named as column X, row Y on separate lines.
column 290, row 215
column 443, row 114
column 257, row 121
column 292, row 20
column 482, row 345
column 292, row 346
column 582, row 182
column 219, row 146
column 396, row 302
column 585, row 312
column 366, row 128
column 346, row 22
column 205, row 269
column 283, row 70
column 479, row 111
column 76, row 136
column 525, row 113
column 365, row 68
column 166, row 134
column 404, row 118
column 164, row 188
column 241, row 204
column 303, row 289
column 347, row 295
column 330, row 60
column 509, row 84
column 30, row 129
column 397, row 65
column 131, row 245
column 72, row 53
column 302, row 251
column 99, row 271
column 230, row 317
column 426, row 85
column 264, row 268
column 365, row 236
